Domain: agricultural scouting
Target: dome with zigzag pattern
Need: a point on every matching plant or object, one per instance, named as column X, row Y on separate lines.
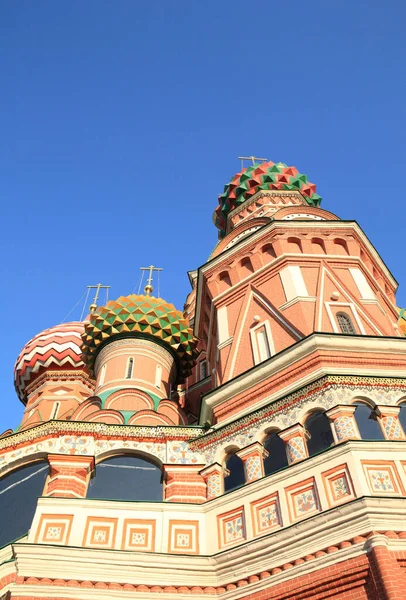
column 265, row 176
column 141, row 316
column 57, row 347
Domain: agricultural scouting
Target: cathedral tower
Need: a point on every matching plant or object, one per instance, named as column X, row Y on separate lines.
column 252, row 447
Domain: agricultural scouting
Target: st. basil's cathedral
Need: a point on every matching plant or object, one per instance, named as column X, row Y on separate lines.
column 250, row 447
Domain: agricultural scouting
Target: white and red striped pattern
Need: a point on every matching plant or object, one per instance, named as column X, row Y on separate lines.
column 57, row 346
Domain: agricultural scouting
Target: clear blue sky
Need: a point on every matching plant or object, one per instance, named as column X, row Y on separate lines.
column 120, row 122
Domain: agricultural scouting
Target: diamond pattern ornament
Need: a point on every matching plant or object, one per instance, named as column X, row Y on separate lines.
column 265, row 176
column 141, row 315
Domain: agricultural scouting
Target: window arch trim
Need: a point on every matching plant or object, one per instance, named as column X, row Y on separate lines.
column 258, row 349
column 129, row 368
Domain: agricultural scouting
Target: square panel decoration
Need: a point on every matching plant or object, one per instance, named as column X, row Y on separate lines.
column 338, row 485
column 54, row 529
column 302, row 499
column 231, row 527
column 100, row 532
column 265, row 514
column 139, row 534
column 382, row 477
column 183, row 537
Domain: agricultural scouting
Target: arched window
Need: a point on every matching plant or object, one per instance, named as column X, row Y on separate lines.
column 203, row 370
column 368, row 426
column 236, row 477
column 55, row 410
column 126, row 478
column 158, row 376
column 402, row 415
column 276, row 458
column 320, row 435
column 19, row 492
column 261, row 342
column 102, row 374
column 345, row 323
column 130, row 366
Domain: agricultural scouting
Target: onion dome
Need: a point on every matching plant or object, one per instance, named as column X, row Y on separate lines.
column 58, row 346
column 137, row 316
column 402, row 320
column 265, row 176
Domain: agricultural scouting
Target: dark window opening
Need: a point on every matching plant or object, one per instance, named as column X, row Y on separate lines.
column 368, row 426
column 320, row 435
column 276, row 458
column 130, row 366
column 402, row 415
column 236, row 478
column 19, row 492
column 126, row 478
column 345, row 323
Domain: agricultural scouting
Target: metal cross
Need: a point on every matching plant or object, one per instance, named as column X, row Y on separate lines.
column 148, row 288
column 97, row 287
column 254, row 159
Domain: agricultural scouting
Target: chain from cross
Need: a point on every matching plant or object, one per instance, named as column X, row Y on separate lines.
column 148, row 288
column 254, row 159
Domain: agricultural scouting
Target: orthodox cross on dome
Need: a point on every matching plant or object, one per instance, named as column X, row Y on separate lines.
column 148, row 288
column 254, row 159
column 97, row 287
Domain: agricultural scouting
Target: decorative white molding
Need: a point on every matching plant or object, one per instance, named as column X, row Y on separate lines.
column 303, row 348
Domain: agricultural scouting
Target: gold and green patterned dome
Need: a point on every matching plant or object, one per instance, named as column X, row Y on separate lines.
column 402, row 320
column 137, row 316
column 259, row 177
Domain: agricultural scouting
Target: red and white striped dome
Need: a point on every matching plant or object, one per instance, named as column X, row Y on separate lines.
column 59, row 346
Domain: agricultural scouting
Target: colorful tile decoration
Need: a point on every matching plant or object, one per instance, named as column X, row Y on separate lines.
column 53, row 533
column 302, row 499
column 138, row 538
column 231, row 527
column 214, row 487
column 54, row 529
column 253, row 467
column 100, row 532
column 305, row 501
column 183, row 537
column 234, row 529
column 139, row 534
column 295, row 449
column 345, row 428
column 327, row 392
column 338, row 485
column 382, row 477
column 265, row 514
column 99, row 536
column 392, row 427
column 180, row 453
column 381, row 480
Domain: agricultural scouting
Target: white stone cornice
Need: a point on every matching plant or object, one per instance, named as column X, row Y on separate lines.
column 261, row 554
column 318, row 341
